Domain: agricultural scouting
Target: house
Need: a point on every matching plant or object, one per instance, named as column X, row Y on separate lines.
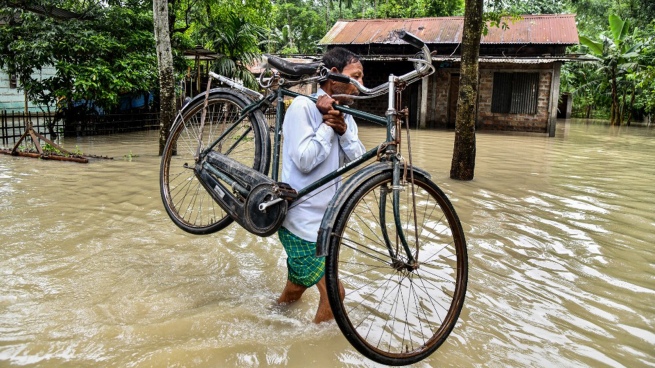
column 12, row 97
column 519, row 68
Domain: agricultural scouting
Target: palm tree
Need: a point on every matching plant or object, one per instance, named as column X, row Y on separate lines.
column 236, row 41
column 284, row 41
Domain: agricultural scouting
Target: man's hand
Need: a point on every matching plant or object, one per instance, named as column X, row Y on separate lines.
column 324, row 103
column 334, row 119
column 331, row 117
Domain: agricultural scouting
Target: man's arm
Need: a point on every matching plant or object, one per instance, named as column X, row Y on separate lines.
column 344, row 126
column 349, row 141
column 311, row 145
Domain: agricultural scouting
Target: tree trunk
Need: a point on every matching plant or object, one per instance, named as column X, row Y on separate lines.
column 632, row 104
column 615, row 114
column 622, row 108
column 327, row 14
column 463, row 164
column 166, row 75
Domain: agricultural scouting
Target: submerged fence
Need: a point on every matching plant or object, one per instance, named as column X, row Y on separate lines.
column 13, row 124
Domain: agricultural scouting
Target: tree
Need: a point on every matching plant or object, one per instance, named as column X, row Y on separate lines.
column 645, row 79
column 114, row 58
column 166, row 73
column 521, row 7
column 417, row 8
column 616, row 56
column 300, row 25
column 463, row 163
column 236, row 40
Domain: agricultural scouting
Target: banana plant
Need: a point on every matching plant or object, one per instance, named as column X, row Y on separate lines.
column 616, row 54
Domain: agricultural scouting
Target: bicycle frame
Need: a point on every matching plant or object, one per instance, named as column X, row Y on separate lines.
column 395, row 305
column 389, row 152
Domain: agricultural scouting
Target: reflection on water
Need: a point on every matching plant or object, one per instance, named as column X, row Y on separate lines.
column 560, row 233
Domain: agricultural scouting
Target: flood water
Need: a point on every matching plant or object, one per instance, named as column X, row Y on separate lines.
column 560, row 233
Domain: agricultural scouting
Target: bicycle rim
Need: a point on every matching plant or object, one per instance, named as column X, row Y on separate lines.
column 391, row 314
column 186, row 201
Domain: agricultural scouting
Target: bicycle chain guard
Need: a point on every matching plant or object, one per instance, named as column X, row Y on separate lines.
column 250, row 189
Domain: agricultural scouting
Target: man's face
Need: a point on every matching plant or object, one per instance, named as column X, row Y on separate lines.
column 354, row 71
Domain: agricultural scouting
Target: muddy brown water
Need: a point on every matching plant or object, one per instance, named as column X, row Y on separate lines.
column 560, row 232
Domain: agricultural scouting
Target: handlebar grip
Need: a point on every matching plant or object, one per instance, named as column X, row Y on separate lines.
column 411, row 39
column 338, row 77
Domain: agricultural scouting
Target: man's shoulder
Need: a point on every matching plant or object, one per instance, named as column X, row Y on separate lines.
column 302, row 101
column 302, row 104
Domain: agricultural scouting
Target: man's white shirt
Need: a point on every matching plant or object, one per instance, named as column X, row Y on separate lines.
column 312, row 150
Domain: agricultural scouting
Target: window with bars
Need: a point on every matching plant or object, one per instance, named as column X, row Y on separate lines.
column 515, row 93
column 12, row 81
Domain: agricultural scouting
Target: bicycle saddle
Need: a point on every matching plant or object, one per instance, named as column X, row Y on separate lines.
column 292, row 69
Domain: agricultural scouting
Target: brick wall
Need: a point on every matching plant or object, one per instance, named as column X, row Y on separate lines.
column 538, row 122
column 439, row 96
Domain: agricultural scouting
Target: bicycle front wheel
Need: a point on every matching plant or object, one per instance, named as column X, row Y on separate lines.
column 392, row 312
column 186, row 201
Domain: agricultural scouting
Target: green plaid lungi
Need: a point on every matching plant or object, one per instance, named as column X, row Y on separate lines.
column 304, row 268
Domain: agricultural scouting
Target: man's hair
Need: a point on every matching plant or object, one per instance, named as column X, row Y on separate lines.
column 339, row 57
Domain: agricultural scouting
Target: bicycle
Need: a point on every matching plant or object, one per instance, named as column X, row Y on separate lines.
column 390, row 235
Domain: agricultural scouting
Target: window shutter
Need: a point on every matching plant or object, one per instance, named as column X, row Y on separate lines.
column 502, row 93
column 524, row 93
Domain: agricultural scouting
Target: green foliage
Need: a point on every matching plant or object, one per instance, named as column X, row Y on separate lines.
column 415, row 9
column 130, row 156
column 296, row 28
column 237, row 42
column 618, row 68
column 108, row 52
column 108, row 48
column 517, row 7
column 48, row 148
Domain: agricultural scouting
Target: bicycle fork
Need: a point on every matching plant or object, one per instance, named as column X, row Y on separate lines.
column 397, row 185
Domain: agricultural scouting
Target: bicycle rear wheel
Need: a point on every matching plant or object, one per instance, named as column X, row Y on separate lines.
column 392, row 313
column 186, row 201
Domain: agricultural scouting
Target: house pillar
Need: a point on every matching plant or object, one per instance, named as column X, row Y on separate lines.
column 423, row 112
column 554, row 96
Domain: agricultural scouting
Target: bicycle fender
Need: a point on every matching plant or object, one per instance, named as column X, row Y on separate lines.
column 339, row 198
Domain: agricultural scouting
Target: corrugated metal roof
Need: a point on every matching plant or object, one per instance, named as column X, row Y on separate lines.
column 482, row 59
column 557, row 29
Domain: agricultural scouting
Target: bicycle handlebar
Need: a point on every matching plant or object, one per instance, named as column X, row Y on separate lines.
column 423, row 68
column 410, row 39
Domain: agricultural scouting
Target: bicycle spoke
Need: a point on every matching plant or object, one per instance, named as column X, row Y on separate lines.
column 186, row 200
column 402, row 311
column 365, row 247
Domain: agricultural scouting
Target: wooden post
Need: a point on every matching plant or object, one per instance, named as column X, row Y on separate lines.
column 3, row 127
column 424, row 102
column 25, row 94
column 554, row 95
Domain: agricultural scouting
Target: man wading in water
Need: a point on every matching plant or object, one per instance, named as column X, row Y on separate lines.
column 317, row 141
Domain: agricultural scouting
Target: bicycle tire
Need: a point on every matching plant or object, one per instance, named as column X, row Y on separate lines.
column 186, row 201
column 396, row 316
